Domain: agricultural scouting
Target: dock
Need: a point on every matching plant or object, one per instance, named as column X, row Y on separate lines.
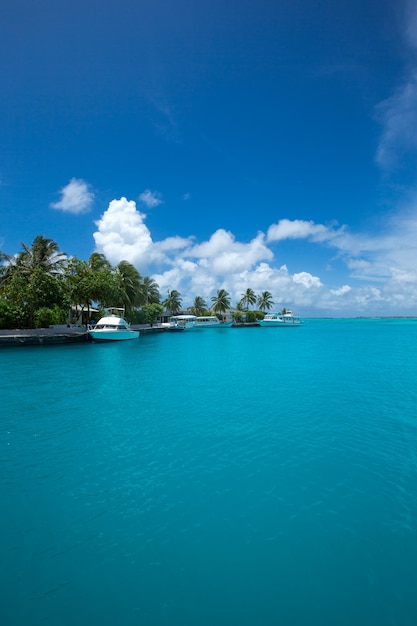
column 58, row 335
column 42, row 336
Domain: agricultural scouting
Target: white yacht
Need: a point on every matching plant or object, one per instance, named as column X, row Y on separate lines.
column 112, row 328
column 282, row 320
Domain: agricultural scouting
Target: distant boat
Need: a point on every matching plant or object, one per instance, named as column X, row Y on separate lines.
column 211, row 321
column 282, row 320
column 112, row 328
column 182, row 322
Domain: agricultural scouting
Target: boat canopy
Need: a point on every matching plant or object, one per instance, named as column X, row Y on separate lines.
column 186, row 318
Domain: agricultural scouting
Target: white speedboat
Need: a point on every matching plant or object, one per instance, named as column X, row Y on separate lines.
column 182, row 322
column 211, row 321
column 282, row 320
column 112, row 328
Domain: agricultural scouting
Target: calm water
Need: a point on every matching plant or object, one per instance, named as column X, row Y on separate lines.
column 212, row 477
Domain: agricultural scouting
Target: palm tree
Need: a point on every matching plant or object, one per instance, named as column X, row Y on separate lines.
column 98, row 262
column 248, row 298
column 265, row 301
column 150, row 291
column 89, row 282
column 221, row 302
column 35, row 276
column 173, row 302
column 44, row 255
column 199, row 306
column 128, row 285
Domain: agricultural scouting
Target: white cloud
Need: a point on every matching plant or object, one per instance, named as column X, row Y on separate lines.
column 75, row 197
column 150, row 199
column 123, row 235
column 299, row 229
column 341, row 291
column 384, row 263
column 307, row 280
column 225, row 255
column 398, row 113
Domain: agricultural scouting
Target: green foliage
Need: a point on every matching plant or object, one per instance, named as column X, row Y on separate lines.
column 13, row 316
column 90, row 282
column 199, row 307
column 127, row 286
column 173, row 301
column 221, row 302
column 137, row 316
column 248, row 299
column 152, row 312
column 265, row 301
column 33, row 279
column 45, row 317
column 149, row 291
column 251, row 316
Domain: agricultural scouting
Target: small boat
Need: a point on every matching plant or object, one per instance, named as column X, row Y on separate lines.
column 112, row 328
column 282, row 320
column 182, row 322
column 211, row 321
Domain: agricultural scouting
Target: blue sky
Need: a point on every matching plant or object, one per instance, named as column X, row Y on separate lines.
column 214, row 144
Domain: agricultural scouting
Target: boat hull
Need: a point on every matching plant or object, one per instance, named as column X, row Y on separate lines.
column 279, row 324
column 112, row 328
column 113, row 335
column 214, row 325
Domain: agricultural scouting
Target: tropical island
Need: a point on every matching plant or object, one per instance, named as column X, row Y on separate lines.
column 41, row 286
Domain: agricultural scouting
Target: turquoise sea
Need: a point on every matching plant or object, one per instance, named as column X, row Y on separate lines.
column 219, row 477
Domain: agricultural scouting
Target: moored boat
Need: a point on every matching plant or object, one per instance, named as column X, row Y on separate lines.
column 211, row 321
column 282, row 320
column 182, row 322
column 112, row 328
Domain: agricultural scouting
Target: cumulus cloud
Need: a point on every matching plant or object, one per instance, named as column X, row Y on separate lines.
column 307, row 280
column 150, row 199
column 76, row 197
column 226, row 255
column 380, row 275
column 299, row 229
column 123, row 235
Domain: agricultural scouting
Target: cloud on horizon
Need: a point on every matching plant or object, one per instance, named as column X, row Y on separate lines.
column 384, row 263
column 76, row 198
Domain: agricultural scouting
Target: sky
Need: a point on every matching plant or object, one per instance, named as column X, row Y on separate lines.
column 263, row 144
